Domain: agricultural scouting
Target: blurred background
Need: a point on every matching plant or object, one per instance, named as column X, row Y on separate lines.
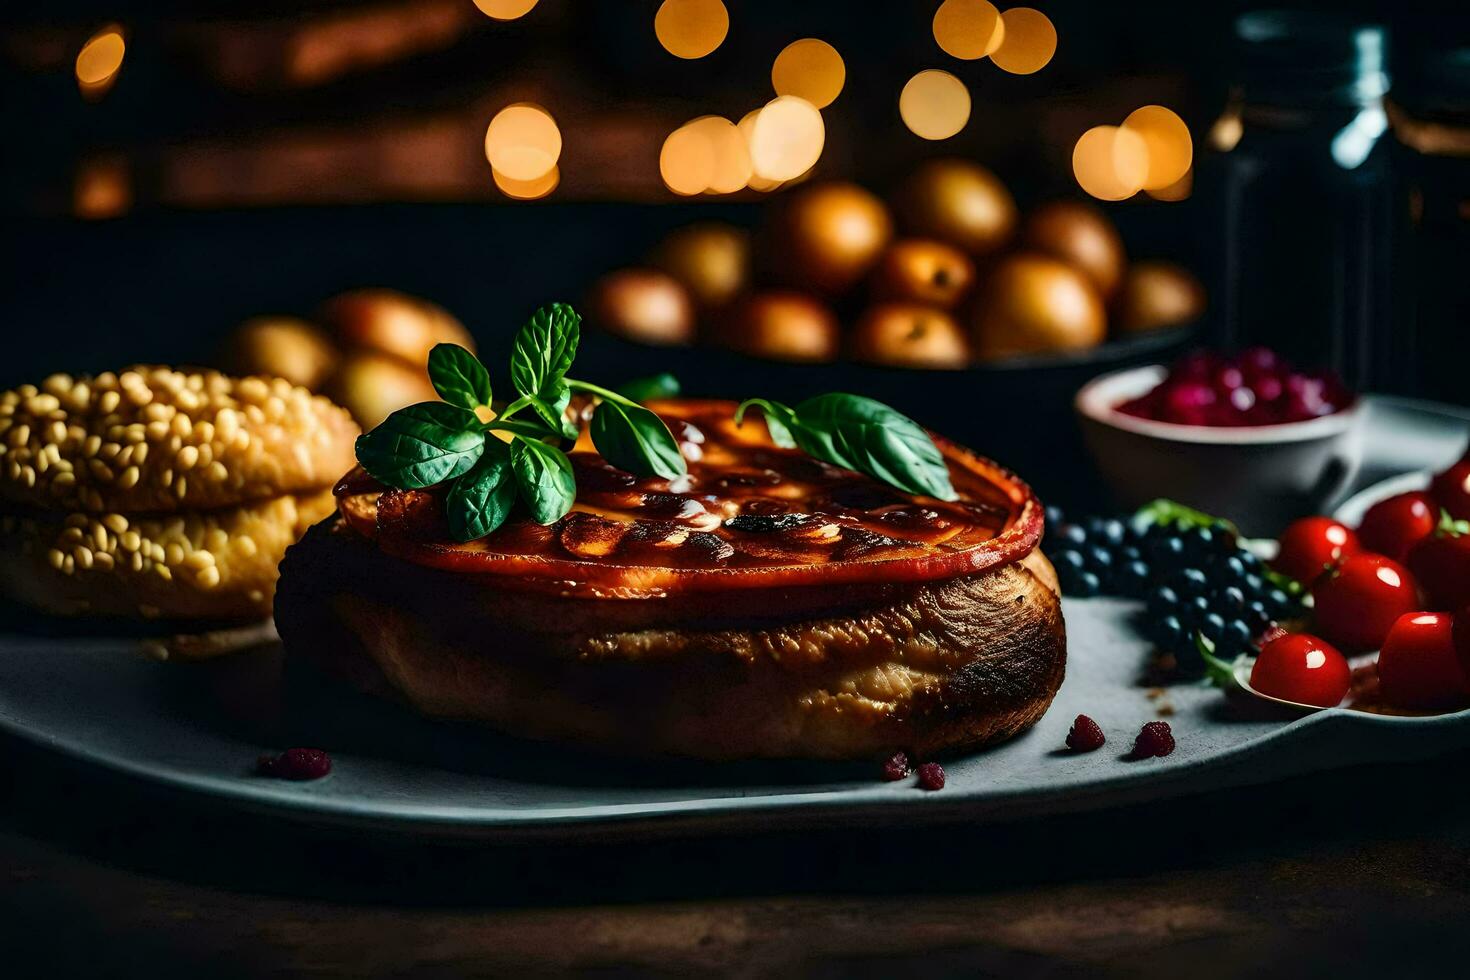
column 965, row 209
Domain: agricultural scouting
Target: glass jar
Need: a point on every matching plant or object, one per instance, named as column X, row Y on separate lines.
column 1299, row 177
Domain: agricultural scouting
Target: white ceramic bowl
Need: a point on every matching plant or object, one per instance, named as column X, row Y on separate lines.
column 1261, row 477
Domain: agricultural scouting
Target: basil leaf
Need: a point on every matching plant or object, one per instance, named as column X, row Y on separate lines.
column 544, row 349
column 634, row 439
column 552, row 406
column 868, row 436
column 663, row 385
column 544, row 475
column 459, row 377
column 422, row 445
column 779, row 420
column 481, row 499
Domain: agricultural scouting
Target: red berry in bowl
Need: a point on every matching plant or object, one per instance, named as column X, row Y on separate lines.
column 1441, row 563
column 1313, row 544
column 1418, row 666
column 1259, row 362
column 1358, row 602
column 1392, row 527
column 1188, row 402
column 1451, row 489
column 1302, row 668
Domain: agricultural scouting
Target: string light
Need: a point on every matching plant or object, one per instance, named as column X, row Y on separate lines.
column 691, row 28
column 934, row 104
column 523, row 142
column 786, row 138
column 968, row 29
column 528, row 190
column 1170, row 149
column 505, row 9
column 1110, row 163
column 811, row 69
column 99, row 60
column 1030, row 41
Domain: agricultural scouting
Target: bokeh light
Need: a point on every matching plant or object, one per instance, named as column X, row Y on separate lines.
column 810, row 69
column 103, row 188
column 1110, row 162
column 687, row 161
column 1030, row 41
column 934, row 104
column 523, row 142
column 1170, row 148
column 732, row 167
column 968, row 29
column 1177, row 191
column 99, row 61
column 786, row 138
column 528, row 190
column 505, row 9
column 691, row 28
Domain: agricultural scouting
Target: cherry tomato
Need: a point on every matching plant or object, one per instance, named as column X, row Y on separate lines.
column 1311, row 544
column 1393, row 526
column 1359, row 601
column 1302, row 668
column 1462, row 639
column 1442, row 565
column 1452, row 490
column 1417, row 667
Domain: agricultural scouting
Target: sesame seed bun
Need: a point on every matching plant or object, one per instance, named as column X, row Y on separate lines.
column 158, row 440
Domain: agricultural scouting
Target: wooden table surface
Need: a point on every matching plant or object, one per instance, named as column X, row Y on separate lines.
column 1352, row 873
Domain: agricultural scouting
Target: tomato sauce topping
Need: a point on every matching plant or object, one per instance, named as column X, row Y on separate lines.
column 748, row 513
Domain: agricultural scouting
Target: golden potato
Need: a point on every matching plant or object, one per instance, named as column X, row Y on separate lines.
column 281, row 347
column 643, row 305
column 910, row 335
column 1032, row 304
column 1158, row 295
column 958, row 202
column 711, row 260
column 1081, row 234
column 784, row 326
column 393, row 323
column 919, row 270
column 826, row 237
column 372, row 385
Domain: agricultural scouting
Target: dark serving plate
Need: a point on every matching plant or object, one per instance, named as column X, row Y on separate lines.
column 1018, row 412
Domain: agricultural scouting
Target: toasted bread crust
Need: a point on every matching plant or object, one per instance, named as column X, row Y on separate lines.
column 822, row 671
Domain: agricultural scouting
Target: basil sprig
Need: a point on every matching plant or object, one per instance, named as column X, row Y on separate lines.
column 519, row 455
column 514, row 456
column 859, row 434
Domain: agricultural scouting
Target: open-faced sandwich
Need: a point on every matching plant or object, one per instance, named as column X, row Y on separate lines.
column 825, row 581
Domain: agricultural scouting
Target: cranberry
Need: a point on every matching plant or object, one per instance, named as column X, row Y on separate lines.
column 1188, row 402
column 1198, row 365
column 1418, row 666
column 1302, row 668
column 1085, row 735
column 1394, row 526
column 1155, row 740
column 931, row 776
column 896, row 767
column 1358, row 603
column 1256, row 362
column 295, row 764
column 1312, row 545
